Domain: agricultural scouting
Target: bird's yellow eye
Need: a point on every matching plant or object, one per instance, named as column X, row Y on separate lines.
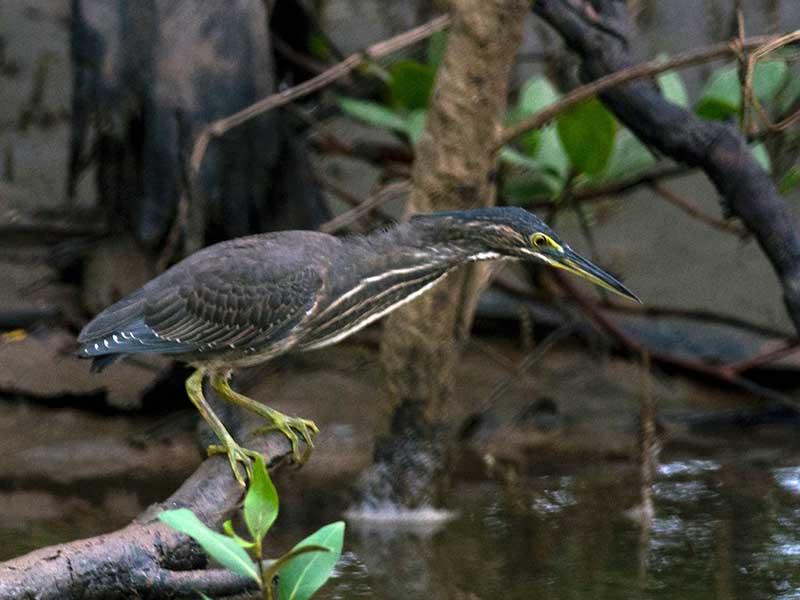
column 540, row 240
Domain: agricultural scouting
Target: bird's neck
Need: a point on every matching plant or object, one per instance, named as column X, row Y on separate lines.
column 444, row 246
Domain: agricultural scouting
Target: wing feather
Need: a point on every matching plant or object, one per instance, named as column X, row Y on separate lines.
column 247, row 296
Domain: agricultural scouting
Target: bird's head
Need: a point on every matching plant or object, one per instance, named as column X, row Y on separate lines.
column 515, row 232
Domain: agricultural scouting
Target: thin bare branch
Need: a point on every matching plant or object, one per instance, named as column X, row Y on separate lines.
column 337, row 71
column 698, row 367
column 752, row 59
column 641, row 71
column 696, row 213
column 393, row 190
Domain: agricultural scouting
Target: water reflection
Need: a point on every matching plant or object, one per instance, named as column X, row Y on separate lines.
column 719, row 531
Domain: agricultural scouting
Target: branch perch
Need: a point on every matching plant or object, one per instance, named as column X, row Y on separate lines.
column 146, row 559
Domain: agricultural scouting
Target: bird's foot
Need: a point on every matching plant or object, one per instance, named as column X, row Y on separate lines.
column 237, row 456
column 291, row 427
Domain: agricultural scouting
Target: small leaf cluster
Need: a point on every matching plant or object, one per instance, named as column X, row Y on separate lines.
column 409, row 87
column 300, row 572
column 586, row 144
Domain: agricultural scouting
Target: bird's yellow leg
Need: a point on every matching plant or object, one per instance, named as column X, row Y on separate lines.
column 236, row 454
column 289, row 426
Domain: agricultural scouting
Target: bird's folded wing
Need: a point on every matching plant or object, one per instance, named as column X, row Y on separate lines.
column 219, row 311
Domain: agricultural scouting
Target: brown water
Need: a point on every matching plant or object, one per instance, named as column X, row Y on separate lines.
column 723, row 528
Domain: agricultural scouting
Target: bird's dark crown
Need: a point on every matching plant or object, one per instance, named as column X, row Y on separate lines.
column 504, row 229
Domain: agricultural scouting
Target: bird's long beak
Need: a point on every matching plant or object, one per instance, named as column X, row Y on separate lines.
column 574, row 263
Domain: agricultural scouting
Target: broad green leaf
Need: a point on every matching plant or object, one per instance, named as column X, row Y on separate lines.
column 203, row 596
column 722, row 96
column 536, row 95
column 517, row 159
column 587, row 132
column 790, row 182
column 372, row 113
column 278, row 564
column 551, row 154
column 436, row 47
column 410, row 84
column 788, row 96
column 672, row 88
column 762, row 156
column 522, row 190
column 528, row 141
column 222, row 548
column 260, row 502
column 536, row 183
column 415, row 124
column 769, row 76
column 301, row 577
column 629, row 158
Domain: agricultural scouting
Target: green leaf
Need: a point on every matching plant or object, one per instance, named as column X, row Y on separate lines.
column 222, row 548
column 319, row 47
column 372, row 113
column 278, row 564
column 536, row 95
column 436, row 47
column 769, row 77
column 587, row 132
column 227, row 527
column 790, row 181
column 301, row 577
column 722, row 95
column 410, row 84
column 517, row 159
column 543, row 145
column 415, row 124
column 672, row 88
column 260, row 502
column 528, row 141
column 535, row 183
column 788, row 96
column 629, row 158
column 525, row 189
column 203, row 596
column 762, row 156
column 551, row 154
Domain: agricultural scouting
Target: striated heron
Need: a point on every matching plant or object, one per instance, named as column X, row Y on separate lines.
column 244, row 301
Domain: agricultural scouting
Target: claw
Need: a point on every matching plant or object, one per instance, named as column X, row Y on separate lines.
column 290, row 427
column 236, row 455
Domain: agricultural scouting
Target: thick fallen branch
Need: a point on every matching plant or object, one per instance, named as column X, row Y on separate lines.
column 146, row 559
column 596, row 31
column 724, row 374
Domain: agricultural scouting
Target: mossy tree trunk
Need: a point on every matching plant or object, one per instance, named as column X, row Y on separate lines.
column 453, row 169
